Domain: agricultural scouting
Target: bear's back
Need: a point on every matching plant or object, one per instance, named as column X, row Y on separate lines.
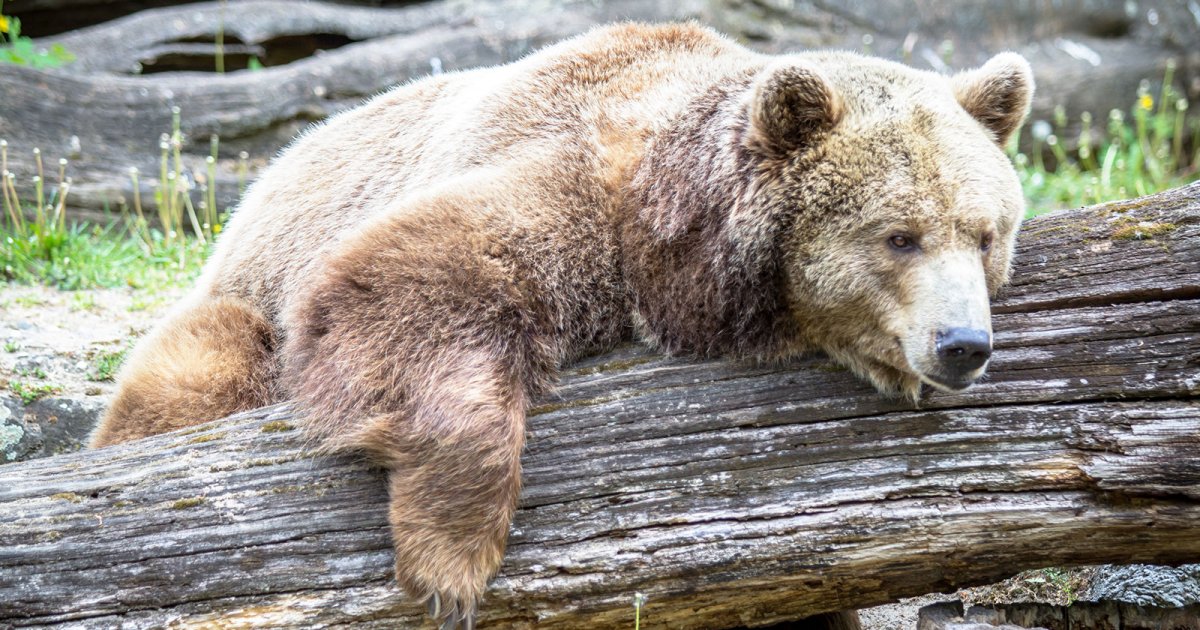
column 599, row 96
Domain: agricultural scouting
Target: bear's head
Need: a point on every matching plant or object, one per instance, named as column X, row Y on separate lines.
column 838, row 202
column 911, row 209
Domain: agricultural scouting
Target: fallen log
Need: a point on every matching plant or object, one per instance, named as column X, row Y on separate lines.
column 105, row 116
column 731, row 495
column 105, row 111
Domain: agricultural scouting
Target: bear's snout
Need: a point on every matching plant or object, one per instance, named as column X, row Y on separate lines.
column 961, row 352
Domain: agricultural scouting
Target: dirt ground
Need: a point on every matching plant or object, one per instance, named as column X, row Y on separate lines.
column 54, row 337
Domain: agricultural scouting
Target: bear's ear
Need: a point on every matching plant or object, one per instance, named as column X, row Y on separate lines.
column 997, row 94
column 792, row 102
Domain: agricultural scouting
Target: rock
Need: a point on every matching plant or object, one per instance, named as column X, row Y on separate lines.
column 65, row 423
column 1147, row 585
column 984, row 615
column 1032, row 614
column 937, row 616
column 1094, row 616
column 18, row 439
column 950, row 616
column 45, row 427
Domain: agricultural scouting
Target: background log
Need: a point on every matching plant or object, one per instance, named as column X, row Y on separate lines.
column 729, row 494
column 104, row 112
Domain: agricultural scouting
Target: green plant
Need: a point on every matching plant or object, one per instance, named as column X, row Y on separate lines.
column 1135, row 154
column 38, row 246
column 29, row 392
column 639, row 600
column 11, row 346
column 30, row 300
column 19, row 50
column 82, row 257
column 84, row 302
column 37, row 372
column 105, row 364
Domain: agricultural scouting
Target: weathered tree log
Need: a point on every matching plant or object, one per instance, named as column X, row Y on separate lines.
column 106, row 117
column 729, row 494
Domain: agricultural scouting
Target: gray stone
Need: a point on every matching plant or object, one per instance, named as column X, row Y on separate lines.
column 18, row 439
column 1148, row 585
column 984, row 615
column 45, row 427
column 65, row 423
column 938, row 616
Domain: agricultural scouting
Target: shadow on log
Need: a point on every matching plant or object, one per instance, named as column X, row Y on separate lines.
column 729, row 494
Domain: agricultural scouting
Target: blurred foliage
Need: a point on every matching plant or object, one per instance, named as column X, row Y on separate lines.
column 19, row 50
column 1153, row 147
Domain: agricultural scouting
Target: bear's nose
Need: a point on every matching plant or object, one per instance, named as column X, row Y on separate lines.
column 963, row 350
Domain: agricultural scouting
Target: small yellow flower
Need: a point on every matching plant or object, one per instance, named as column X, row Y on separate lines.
column 1146, row 102
column 217, row 229
column 3, row 24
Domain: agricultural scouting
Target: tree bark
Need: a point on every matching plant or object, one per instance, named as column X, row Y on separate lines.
column 729, row 494
column 105, row 117
column 105, row 111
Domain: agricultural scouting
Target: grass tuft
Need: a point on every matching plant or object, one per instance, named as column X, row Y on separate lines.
column 105, row 364
column 29, row 391
column 1152, row 147
column 37, row 246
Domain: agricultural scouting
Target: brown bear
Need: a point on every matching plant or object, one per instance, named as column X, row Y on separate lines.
column 413, row 272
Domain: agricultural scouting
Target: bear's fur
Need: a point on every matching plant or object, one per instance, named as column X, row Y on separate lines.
column 414, row 271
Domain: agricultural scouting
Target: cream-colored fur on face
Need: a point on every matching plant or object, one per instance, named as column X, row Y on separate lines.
column 414, row 271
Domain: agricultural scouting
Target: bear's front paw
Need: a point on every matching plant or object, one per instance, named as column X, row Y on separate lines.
column 450, row 576
column 449, row 528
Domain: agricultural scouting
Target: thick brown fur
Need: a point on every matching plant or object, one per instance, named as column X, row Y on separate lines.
column 205, row 362
column 427, row 261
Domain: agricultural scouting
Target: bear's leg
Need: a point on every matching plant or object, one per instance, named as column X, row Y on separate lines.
column 421, row 341
column 204, row 363
column 454, row 479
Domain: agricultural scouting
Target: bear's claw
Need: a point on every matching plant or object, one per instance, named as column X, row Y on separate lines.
column 450, row 618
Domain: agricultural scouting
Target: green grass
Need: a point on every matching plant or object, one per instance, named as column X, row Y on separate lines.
column 83, row 257
column 105, row 364
column 18, row 50
column 1153, row 146
column 29, row 391
column 38, row 246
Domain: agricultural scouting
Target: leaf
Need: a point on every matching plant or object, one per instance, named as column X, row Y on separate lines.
column 60, row 53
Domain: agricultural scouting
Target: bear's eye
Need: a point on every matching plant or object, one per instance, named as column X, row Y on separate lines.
column 985, row 243
column 903, row 243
